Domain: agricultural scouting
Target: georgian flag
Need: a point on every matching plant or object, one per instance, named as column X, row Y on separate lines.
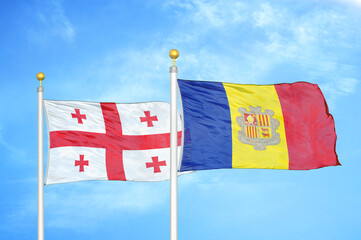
column 108, row 141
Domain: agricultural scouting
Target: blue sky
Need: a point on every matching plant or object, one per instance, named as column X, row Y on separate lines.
column 118, row 51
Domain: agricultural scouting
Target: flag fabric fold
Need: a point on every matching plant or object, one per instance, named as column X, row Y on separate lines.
column 108, row 141
column 281, row 126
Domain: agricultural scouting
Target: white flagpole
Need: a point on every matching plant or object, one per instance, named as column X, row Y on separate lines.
column 173, row 148
column 40, row 76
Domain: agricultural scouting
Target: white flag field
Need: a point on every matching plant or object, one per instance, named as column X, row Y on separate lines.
column 108, row 141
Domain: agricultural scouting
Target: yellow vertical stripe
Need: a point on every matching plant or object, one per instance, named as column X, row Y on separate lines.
column 267, row 120
column 244, row 155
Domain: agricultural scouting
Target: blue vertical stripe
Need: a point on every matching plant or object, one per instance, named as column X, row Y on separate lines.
column 207, row 126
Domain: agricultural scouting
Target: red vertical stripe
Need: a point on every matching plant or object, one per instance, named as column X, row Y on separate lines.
column 113, row 128
column 256, row 132
column 259, row 120
column 247, row 131
column 310, row 128
column 264, row 122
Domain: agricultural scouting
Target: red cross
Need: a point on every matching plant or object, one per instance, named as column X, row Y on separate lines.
column 112, row 140
column 81, row 163
column 155, row 164
column 149, row 119
column 79, row 116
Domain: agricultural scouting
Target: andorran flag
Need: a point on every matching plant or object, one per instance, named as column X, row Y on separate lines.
column 281, row 126
column 108, row 141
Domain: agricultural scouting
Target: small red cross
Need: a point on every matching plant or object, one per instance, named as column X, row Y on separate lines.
column 81, row 163
column 156, row 164
column 149, row 119
column 79, row 116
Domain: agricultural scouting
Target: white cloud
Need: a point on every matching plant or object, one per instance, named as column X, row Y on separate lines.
column 356, row 3
column 310, row 42
column 305, row 41
column 52, row 22
column 338, row 87
column 13, row 151
column 313, row 44
column 267, row 16
column 135, row 75
column 348, row 85
column 70, row 205
column 211, row 13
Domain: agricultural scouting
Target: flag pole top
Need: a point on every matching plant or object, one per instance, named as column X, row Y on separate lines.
column 40, row 76
column 173, row 54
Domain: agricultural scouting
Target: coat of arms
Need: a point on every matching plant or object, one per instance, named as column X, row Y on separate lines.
column 258, row 128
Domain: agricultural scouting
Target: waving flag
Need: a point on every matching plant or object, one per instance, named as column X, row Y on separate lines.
column 282, row 126
column 108, row 141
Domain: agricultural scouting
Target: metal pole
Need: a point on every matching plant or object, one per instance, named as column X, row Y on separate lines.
column 173, row 148
column 40, row 90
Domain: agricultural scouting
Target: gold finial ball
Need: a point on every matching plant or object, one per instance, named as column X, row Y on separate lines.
column 173, row 53
column 40, row 76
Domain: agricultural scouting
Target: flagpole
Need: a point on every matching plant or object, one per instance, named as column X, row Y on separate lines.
column 40, row 76
column 173, row 148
